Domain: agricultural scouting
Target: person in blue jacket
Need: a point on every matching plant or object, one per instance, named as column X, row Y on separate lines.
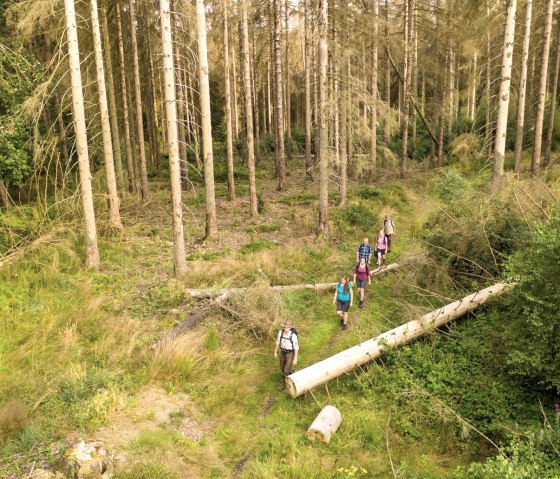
column 343, row 298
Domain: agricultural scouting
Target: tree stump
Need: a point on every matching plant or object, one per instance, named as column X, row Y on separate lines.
column 88, row 461
column 325, row 424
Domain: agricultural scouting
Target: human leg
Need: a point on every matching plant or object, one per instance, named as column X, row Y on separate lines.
column 288, row 361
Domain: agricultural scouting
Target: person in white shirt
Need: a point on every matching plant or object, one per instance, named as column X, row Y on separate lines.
column 389, row 229
column 288, row 344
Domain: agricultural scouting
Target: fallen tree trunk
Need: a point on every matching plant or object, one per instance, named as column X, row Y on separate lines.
column 221, row 295
column 345, row 361
column 325, row 424
column 209, row 293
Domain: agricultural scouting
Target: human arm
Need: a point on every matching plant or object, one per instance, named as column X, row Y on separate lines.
column 277, row 345
column 335, row 295
column 351, row 296
column 296, row 348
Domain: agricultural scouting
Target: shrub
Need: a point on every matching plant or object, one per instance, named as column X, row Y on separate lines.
column 358, row 215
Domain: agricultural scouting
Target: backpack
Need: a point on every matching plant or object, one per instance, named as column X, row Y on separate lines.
column 293, row 331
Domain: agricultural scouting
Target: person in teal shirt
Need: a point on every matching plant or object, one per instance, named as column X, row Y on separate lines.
column 343, row 298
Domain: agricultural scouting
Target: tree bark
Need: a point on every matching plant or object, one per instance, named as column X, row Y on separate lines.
column 229, row 129
column 253, row 205
column 204, row 85
column 112, row 102
column 387, row 129
column 536, row 160
column 92, row 253
column 522, row 88
column 409, row 13
column 319, row 373
column 503, row 100
column 60, row 172
column 278, row 99
column 138, row 98
column 183, row 163
column 307, row 66
column 488, row 127
column 553, row 97
column 112, row 193
column 126, row 120
column 341, row 142
column 4, row 197
column 323, row 134
column 179, row 258
column 325, row 424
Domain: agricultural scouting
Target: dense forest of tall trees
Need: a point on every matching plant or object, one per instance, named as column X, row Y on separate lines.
column 350, row 90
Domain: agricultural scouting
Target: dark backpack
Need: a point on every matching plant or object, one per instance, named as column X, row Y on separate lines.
column 294, row 331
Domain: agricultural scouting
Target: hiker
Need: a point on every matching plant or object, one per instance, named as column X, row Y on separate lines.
column 363, row 251
column 389, row 229
column 361, row 275
column 380, row 247
column 343, row 298
column 288, row 343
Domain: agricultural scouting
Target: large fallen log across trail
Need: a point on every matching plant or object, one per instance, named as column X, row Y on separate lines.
column 220, row 295
column 210, row 293
column 320, row 373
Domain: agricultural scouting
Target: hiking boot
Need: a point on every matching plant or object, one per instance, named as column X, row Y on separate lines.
column 341, row 322
column 361, row 305
column 343, row 326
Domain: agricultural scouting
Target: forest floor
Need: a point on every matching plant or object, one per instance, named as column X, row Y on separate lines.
column 75, row 345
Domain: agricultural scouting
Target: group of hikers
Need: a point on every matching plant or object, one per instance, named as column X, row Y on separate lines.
column 287, row 341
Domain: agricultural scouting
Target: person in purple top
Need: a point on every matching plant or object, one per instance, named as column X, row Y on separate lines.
column 361, row 275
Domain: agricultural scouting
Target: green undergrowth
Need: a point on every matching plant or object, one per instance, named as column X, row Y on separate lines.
column 74, row 345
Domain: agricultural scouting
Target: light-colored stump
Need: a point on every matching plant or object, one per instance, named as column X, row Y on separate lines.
column 325, row 424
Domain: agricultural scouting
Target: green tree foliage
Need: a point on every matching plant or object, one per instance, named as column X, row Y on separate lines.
column 18, row 76
column 533, row 311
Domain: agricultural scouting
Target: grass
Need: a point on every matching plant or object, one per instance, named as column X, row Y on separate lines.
column 74, row 344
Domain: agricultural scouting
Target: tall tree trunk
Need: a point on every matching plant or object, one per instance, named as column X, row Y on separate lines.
column 522, row 89
column 92, row 253
column 112, row 194
column 132, row 184
column 349, row 122
column 536, row 161
column 287, row 83
column 172, row 133
column 112, row 102
column 183, row 163
column 204, row 85
column 473, row 87
column 373, row 130
column 138, row 98
column 278, row 99
column 503, row 101
column 229, row 129
column 554, row 92
column 154, row 110
column 409, row 14
column 307, row 67
column 235, row 96
column 249, row 113
column 4, row 197
column 451, row 111
column 387, row 129
column 414, row 67
column 323, row 134
column 338, row 106
column 488, row 127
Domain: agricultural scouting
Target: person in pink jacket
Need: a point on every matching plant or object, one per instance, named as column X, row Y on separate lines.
column 361, row 275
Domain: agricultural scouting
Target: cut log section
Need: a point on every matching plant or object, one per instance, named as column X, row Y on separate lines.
column 349, row 359
column 325, row 424
column 210, row 292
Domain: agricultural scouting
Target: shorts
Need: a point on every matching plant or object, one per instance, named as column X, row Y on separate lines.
column 382, row 251
column 343, row 306
column 361, row 283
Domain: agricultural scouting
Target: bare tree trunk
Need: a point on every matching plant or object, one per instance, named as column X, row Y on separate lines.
column 344, row 106
column 536, row 161
column 473, row 87
column 138, row 97
column 112, row 194
column 180, row 96
column 387, row 129
column 307, row 53
column 488, row 128
column 409, row 14
column 249, row 113
column 323, row 134
column 172, row 133
column 60, row 172
column 229, row 129
column 211, row 224
column 349, row 122
column 338, row 106
column 155, row 123
column 414, row 68
column 255, row 103
column 373, row 130
column 4, row 197
column 451, row 110
column 278, row 100
column 522, row 89
column 503, row 101
column 124, row 94
column 92, row 253
column 288, row 82
column 112, row 102
column 554, row 92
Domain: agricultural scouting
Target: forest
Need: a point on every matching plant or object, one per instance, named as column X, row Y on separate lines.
column 183, row 182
